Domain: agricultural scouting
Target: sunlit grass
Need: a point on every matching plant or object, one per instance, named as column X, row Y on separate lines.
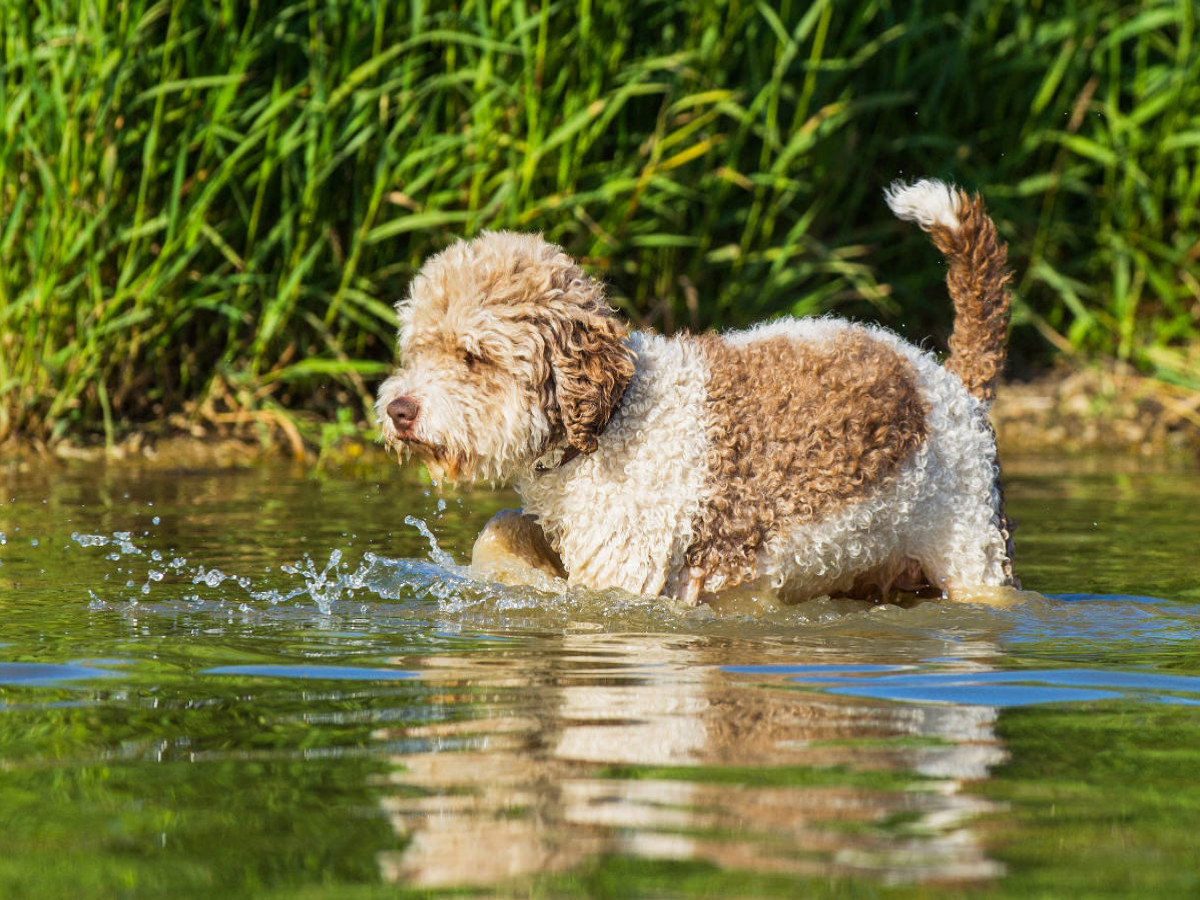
column 208, row 208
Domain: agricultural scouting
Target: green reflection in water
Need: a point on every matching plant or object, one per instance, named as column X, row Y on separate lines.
column 186, row 828
column 1099, row 801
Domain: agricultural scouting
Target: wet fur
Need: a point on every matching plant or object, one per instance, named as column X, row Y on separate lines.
column 813, row 456
column 796, row 429
column 513, row 350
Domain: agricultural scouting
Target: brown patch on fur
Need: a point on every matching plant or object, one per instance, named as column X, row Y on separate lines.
column 585, row 363
column 798, row 430
column 590, row 365
column 978, row 278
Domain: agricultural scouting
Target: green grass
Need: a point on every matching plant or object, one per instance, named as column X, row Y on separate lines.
column 206, row 209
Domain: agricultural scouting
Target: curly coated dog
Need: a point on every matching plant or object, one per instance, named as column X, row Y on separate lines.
column 808, row 456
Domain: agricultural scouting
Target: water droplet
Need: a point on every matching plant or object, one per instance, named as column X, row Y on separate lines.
column 436, row 553
column 84, row 540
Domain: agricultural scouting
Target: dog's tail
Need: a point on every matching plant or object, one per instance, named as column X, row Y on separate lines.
column 977, row 276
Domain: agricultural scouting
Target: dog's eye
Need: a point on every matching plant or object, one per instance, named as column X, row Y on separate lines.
column 470, row 360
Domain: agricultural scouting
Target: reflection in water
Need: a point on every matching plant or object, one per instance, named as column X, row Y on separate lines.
column 642, row 745
column 216, row 680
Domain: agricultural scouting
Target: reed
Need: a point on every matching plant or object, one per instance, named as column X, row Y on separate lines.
column 206, row 209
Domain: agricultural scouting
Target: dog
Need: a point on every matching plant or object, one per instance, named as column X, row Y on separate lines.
column 806, row 456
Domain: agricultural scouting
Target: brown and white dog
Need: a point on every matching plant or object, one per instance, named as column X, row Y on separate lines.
column 809, row 456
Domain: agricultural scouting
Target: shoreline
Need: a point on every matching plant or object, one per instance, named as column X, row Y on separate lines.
column 1099, row 409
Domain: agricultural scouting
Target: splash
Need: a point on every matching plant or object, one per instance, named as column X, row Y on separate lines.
column 436, row 553
column 436, row 589
column 325, row 586
column 336, row 581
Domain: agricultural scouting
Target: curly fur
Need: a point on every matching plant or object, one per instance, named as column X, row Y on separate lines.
column 622, row 515
column 813, row 456
column 509, row 349
column 796, row 428
column 977, row 276
column 939, row 508
column 589, row 362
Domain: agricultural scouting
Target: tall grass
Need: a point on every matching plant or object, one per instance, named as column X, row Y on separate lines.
column 206, row 209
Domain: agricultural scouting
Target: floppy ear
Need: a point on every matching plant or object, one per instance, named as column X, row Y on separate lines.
column 591, row 365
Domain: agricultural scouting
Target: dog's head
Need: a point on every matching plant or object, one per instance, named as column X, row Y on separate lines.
column 507, row 350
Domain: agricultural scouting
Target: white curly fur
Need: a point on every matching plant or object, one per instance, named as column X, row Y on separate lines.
column 622, row 516
column 927, row 202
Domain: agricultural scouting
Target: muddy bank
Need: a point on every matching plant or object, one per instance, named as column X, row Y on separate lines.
column 1107, row 407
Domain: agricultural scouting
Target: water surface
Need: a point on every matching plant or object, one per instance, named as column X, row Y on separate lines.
column 278, row 682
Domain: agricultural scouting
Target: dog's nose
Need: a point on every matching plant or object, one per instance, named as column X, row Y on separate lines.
column 403, row 412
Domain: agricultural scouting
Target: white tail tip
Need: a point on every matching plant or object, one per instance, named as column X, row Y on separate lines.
column 927, row 202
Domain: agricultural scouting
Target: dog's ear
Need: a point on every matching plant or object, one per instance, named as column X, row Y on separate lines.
column 591, row 365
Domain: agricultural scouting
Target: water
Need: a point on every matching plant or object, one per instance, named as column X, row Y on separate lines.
column 268, row 683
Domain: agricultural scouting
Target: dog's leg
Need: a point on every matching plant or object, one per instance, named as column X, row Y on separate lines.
column 512, row 549
column 691, row 585
column 1001, row 596
column 980, row 585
